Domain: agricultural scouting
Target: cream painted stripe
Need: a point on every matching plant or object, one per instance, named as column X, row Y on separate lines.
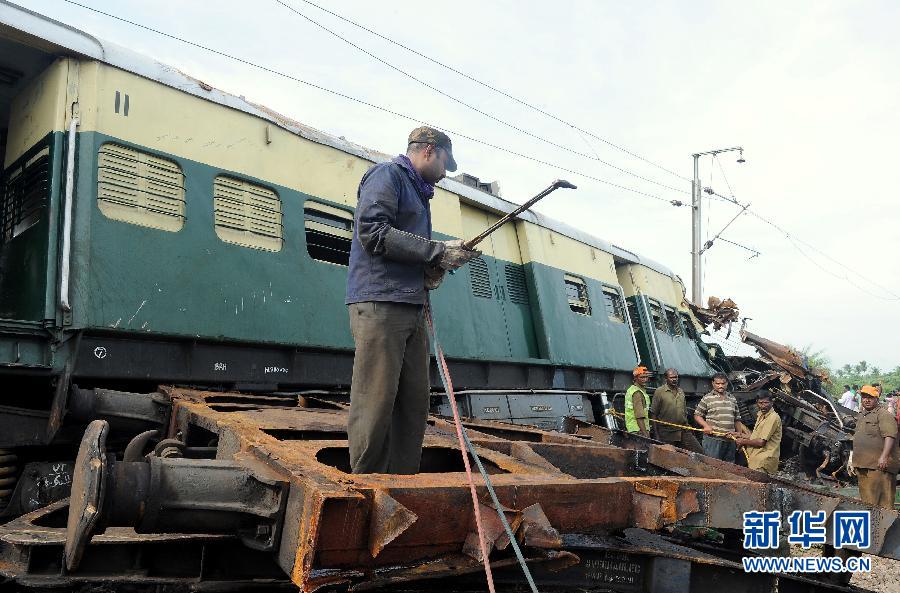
column 558, row 251
column 638, row 279
column 40, row 108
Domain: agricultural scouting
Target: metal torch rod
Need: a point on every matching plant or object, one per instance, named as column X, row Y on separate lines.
column 553, row 186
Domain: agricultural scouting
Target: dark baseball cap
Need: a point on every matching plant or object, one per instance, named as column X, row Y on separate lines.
column 428, row 135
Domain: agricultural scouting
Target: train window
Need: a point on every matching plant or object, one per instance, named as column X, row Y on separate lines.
column 674, row 324
column 247, row 214
column 515, row 284
column 329, row 232
column 480, row 278
column 689, row 326
column 634, row 317
column 577, row 294
column 658, row 320
column 140, row 188
column 24, row 194
column 614, row 308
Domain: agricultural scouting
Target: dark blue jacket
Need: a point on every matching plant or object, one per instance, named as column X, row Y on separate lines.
column 391, row 239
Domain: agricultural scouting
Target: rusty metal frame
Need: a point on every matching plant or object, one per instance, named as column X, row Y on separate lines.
column 569, row 497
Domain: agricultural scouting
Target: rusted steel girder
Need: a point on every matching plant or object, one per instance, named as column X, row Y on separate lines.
column 635, row 561
column 337, row 527
column 747, row 490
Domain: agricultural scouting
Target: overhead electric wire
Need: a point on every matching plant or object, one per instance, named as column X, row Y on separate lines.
column 495, row 89
column 377, row 107
column 755, row 252
column 797, row 241
column 467, row 105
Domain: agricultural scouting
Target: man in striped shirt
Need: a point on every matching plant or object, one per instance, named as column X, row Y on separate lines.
column 717, row 414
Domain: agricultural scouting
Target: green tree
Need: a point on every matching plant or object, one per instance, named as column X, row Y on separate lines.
column 860, row 373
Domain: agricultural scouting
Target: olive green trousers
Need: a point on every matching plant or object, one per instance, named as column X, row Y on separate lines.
column 877, row 488
column 389, row 393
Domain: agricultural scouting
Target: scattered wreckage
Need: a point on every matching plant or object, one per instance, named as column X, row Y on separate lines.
column 817, row 432
column 248, row 492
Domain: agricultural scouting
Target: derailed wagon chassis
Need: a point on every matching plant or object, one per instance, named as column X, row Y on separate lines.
column 817, row 431
column 242, row 494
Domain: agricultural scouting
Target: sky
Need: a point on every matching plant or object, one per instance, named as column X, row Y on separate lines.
column 808, row 89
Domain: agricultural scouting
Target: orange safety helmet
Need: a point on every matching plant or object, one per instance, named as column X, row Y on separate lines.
column 638, row 371
column 869, row 391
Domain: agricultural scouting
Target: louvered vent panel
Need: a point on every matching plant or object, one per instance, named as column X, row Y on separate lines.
column 247, row 214
column 140, row 188
column 24, row 193
column 480, row 278
column 515, row 284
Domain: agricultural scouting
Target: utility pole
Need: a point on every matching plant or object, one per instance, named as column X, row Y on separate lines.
column 696, row 226
column 696, row 256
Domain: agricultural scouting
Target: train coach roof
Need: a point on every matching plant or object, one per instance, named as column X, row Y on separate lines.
column 34, row 29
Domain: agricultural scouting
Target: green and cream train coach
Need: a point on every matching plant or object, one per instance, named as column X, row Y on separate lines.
column 157, row 230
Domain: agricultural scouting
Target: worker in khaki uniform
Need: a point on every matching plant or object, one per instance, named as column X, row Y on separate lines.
column 668, row 405
column 637, row 403
column 763, row 445
column 876, row 457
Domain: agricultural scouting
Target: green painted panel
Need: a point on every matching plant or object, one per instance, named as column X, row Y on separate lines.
column 26, row 288
column 566, row 337
column 520, row 325
column 24, row 351
column 470, row 325
column 518, row 312
column 477, row 318
column 679, row 352
column 191, row 282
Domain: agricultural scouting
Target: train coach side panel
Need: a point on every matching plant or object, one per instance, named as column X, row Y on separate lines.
column 658, row 300
column 183, row 275
column 589, row 336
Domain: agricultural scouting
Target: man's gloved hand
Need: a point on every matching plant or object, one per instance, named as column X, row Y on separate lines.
column 851, row 471
column 456, row 255
column 434, row 275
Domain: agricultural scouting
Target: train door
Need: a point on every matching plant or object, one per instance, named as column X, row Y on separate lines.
column 644, row 323
column 32, row 141
column 499, row 278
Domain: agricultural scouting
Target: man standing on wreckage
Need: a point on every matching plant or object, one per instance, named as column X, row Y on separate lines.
column 393, row 263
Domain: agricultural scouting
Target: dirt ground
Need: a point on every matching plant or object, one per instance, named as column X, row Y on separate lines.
column 884, row 577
